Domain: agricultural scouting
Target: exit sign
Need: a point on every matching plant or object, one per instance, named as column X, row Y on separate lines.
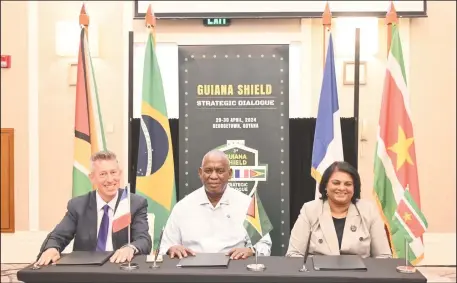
column 217, row 22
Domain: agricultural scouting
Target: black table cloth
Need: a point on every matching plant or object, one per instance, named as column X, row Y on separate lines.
column 279, row 269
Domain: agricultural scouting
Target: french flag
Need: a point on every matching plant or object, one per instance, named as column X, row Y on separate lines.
column 122, row 217
column 328, row 143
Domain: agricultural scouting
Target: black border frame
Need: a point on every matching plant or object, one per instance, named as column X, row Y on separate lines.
column 277, row 15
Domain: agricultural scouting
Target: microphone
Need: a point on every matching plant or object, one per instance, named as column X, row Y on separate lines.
column 154, row 265
column 304, row 269
column 353, row 228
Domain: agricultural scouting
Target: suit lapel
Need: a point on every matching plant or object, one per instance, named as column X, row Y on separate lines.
column 92, row 216
column 328, row 229
column 352, row 225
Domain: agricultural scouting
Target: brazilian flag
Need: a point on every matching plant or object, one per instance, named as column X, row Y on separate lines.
column 155, row 171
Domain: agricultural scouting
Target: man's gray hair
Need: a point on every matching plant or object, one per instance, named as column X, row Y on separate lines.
column 102, row 155
column 218, row 153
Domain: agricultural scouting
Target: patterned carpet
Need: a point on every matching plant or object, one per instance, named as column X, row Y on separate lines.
column 433, row 274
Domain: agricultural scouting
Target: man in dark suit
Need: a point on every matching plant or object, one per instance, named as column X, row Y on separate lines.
column 89, row 218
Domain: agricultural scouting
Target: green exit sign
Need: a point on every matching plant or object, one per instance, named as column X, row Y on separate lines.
column 217, row 22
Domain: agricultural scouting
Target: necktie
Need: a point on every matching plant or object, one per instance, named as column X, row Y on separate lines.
column 103, row 231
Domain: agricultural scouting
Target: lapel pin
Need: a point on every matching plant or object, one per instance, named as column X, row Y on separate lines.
column 353, row 228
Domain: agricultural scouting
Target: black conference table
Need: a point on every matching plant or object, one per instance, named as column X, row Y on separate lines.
column 278, row 269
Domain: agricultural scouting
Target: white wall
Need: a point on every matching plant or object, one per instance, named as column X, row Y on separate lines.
column 167, row 55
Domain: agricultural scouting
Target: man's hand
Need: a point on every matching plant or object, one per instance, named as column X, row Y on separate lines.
column 47, row 256
column 180, row 252
column 122, row 255
column 240, row 253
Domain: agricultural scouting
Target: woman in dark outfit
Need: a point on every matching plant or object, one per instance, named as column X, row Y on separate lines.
column 339, row 222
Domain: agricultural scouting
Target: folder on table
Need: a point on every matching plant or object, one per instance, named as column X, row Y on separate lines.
column 84, row 258
column 205, row 260
column 338, row 262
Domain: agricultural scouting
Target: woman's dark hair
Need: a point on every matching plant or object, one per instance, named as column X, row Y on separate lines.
column 340, row 166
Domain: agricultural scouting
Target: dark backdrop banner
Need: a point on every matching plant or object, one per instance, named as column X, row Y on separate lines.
column 235, row 98
column 301, row 136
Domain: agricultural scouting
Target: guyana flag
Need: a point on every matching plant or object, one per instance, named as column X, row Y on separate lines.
column 257, row 223
column 155, row 169
column 396, row 185
column 89, row 133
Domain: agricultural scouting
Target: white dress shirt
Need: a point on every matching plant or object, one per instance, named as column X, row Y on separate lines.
column 112, row 205
column 196, row 224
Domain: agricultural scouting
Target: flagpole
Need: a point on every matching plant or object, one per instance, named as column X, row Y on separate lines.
column 253, row 192
column 129, row 266
column 406, row 252
column 356, row 95
column 128, row 197
column 256, row 266
column 131, row 173
column 129, row 241
column 406, row 268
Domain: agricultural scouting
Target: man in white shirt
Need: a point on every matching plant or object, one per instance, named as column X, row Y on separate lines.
column 89, row 218
column 210, row 219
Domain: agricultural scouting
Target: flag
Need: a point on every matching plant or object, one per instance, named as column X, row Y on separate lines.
column 328, row 144
column 89, row 134
column 396, row 185
column 257, row 223
column 122, row 217
column 249, row 173
column 155, row 169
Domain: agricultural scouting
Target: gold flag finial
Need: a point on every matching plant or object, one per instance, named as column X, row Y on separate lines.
column 150, row 18
column 391, row 16
column 327, row 16
column 83, row 17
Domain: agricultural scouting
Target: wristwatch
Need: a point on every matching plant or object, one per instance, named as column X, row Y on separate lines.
column 135, row 250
